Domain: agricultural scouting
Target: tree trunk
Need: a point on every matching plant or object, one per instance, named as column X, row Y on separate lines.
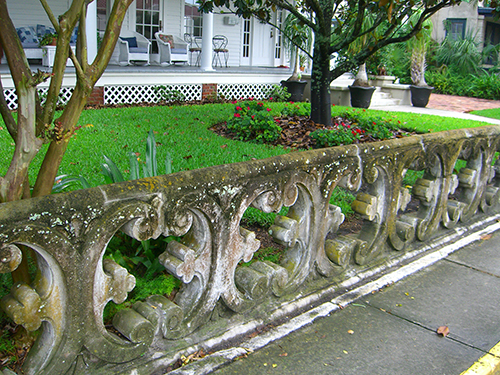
column 361, row 77
column 321, row 106
column 53, row 157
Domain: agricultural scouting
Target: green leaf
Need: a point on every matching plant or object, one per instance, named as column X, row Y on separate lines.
column 134, row 166
column 63, row 181
column 168, row 163
column 110, row 171
column 151, row 166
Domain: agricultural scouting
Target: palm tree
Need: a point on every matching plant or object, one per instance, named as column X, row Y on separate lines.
column 297, row 37
column 418, row 46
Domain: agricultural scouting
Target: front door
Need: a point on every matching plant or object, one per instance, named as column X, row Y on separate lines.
column 263, row 43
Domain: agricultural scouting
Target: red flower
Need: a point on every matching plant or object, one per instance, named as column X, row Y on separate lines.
column 234, row 102
column 238, row 108
column 374, row 123
column 291, row 102
column 270, row 98
column 268, row 109
column 253, row 116
column 260, row 104
column 248, row 108
column 353, row 132
column 237, row 115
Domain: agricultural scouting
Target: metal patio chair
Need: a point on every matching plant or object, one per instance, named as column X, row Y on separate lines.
column 220, row 48
column 193, row 47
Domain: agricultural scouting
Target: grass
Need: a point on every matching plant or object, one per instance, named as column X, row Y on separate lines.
column 182, row 131
column 491, row 113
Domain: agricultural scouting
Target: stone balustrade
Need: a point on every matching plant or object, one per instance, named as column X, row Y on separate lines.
column 203, row 209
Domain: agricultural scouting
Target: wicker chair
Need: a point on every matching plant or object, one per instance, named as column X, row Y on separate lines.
column 172, row 49
column 133, row 48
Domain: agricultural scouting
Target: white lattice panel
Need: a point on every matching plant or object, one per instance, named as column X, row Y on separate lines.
column 11, row 98
column 146, row 94
column 64, row 96
column 244, row 91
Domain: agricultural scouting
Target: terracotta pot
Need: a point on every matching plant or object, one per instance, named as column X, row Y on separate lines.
column 420, row 95
column 361, row 97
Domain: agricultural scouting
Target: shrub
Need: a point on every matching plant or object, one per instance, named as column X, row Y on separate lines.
column 341, row 134
column 252, row 121
column 293, row 109
column 277, row 93
column 168, row 95
column 356, row 125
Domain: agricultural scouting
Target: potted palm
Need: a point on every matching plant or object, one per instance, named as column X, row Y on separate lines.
column 361, row 91
column 420, row 90
column 297, row 36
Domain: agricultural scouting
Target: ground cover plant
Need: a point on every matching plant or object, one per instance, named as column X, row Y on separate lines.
column 184, row 133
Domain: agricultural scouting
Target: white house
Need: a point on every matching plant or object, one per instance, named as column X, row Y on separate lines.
column 250, row 42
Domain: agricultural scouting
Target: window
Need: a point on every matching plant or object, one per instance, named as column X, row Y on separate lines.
column 193, row 20
column 246, row 37
column 148, row 20
column 491, row 37
column 279, row 36
column 101, row 15
column 455, row 28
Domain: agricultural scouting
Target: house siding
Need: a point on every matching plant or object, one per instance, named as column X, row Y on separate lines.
column 36, row 14
column 233, row 34
column 173, row 17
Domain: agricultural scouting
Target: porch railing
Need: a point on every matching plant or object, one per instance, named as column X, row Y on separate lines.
column 69, row 233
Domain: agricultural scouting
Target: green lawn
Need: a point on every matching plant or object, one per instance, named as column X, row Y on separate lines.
column 183, row 132
column 492, row 113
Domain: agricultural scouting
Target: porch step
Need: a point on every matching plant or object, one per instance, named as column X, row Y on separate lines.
column 381, row 98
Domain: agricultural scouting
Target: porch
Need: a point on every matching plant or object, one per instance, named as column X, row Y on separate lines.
column 136, row 83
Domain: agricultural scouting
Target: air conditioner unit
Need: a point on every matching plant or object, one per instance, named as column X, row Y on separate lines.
column 231, row 21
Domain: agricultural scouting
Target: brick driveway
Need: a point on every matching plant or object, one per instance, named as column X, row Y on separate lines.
column 460, row 103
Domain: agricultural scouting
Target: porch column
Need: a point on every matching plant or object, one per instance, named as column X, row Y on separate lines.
column 206, row 42
column 91, row 31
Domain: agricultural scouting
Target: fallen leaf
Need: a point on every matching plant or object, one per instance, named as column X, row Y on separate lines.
column 351, row 332
column 223, row 146
column 187, row 157
column 443, row 331
column 485, row 237
column 345, row 351
column 275, row 365
column 284, row 355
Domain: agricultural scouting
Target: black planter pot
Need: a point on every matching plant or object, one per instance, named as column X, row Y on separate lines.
column 361, row 96
column 420, row 95
column 295, row 88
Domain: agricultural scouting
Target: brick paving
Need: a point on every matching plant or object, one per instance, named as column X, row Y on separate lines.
column 460, row 103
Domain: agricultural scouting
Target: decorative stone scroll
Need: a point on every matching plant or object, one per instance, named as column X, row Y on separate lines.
column 407, row 191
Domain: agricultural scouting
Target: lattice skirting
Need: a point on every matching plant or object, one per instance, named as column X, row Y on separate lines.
column 244, row 91
column 151, row 94
column 64, row 96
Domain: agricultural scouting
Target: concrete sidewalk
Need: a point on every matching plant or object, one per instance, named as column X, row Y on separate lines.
column 393, row 330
